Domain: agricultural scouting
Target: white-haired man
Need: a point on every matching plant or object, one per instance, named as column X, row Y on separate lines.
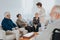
column 7, row 23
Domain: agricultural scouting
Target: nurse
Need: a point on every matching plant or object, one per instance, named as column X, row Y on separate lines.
column 42, row 14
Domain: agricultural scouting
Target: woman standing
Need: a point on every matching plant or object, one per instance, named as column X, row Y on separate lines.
column 42, row 14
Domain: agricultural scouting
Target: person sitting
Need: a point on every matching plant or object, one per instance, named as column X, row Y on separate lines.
column 20, row 22
column 7, row 23
column 36, row 20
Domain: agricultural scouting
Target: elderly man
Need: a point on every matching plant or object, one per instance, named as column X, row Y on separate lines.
column 54, row 21
column 23, row 24
column 7, row 23
column 55, row 18
column 20, row 21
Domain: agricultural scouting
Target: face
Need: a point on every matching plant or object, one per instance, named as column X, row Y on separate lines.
column 20, row 17
column 38, row 6
column 8, row 15
column 36, row 15
column 53, row 16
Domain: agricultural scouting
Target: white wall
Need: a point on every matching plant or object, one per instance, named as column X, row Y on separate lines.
column 14, row 6
column 57, row 2
column 27, row 6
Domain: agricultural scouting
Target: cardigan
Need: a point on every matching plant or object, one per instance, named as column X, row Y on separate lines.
column 7, row 24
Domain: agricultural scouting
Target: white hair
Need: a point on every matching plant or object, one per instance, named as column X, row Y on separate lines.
column 6, row 13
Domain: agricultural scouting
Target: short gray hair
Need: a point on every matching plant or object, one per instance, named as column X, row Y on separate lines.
column 6, row 13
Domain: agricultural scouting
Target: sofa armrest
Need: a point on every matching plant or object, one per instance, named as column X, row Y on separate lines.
column 2, row 34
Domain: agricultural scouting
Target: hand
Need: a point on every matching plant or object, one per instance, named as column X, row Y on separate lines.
column 16, row 28
column 13, row 28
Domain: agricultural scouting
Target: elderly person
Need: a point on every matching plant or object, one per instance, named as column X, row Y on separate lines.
column 20, row 21
column 55, row 23
column 7, row 23
column 55, row 12
column 55, row 18
column 36, row 20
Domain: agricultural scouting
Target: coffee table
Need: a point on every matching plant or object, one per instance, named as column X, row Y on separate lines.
column 29, row 38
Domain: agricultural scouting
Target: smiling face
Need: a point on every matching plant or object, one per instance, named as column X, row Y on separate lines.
column 8, row 16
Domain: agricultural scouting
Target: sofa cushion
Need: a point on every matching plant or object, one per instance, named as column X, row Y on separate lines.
column 10, row 37
column 2, row 34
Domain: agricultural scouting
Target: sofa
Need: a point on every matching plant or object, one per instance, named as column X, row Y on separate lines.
column 3, row 35
column 13, row 36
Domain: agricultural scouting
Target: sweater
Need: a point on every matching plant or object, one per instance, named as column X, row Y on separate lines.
column 7, row 24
